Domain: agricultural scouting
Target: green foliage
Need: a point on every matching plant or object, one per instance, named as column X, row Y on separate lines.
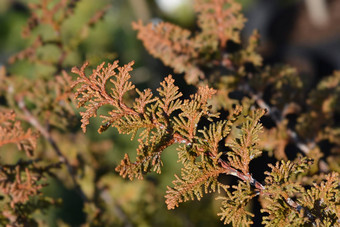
column 322, row 200
column 245, row 145
column 200, row 151
column 213, row 133
column 310, row 206
column 234, row 204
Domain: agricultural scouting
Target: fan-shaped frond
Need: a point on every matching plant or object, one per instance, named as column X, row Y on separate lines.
column 245, row 146
column 193, row 182
column 234, row 205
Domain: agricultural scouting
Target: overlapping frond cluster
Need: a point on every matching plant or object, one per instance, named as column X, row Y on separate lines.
column 240, row 70
column 11, row 132
column 148, row 115
column 282, row 81
column 158, row 127
column 284, row 172
column 21, row 181
column 18, row 189
column 193, row 110
column 202, row 159
column 309, row 206
column 43, row 14
column 93, row 93
column 234, row 205
column 158, row 121
column 248, row 54
column 41, row 96
column 166, row 119
column 220, row 22
column 323, row 200
column 151, row 116
column 46, row 95
column 20, row 186
column 196, row 179
column 173, row 45
column 239, row 76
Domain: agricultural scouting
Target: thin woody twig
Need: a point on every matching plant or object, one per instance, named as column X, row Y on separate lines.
column 260, row 187
column 247, row 177
column 45, row 133
column 277, row 117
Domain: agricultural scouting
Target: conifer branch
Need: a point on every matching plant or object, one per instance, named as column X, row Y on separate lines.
column 151, row 115
column 267, row 193
column 234, row 204
column 93, row 92
column 220, row 19
column 200, row 148
column 213, row 16
column 144, row 162
column 20, row 190
column 277, row 117
column 162, row 120
column 189, row 188
column 245, row 148
column 12, row 132
column 173, row 45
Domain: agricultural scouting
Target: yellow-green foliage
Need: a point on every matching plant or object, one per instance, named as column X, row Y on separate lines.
column 214, row 136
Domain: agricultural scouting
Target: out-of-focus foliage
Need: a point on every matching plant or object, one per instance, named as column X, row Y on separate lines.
column 21, row 183
column 217, row 127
